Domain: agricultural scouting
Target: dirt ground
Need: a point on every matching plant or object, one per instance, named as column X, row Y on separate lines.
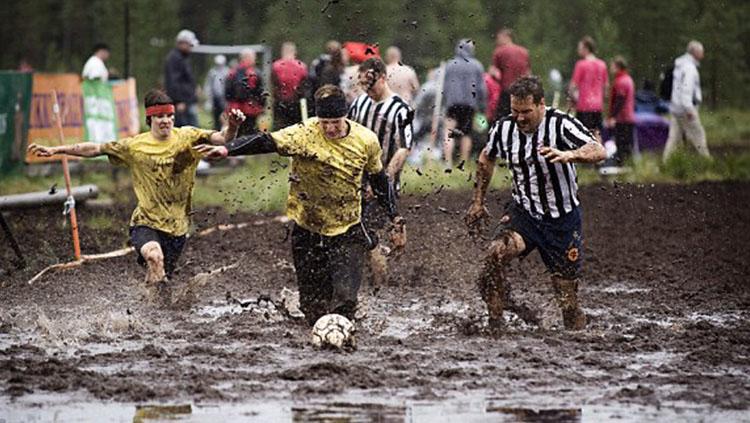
column 665, row 287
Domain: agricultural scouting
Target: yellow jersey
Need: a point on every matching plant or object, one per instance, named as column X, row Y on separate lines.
column 163, row 176
column 325, row 192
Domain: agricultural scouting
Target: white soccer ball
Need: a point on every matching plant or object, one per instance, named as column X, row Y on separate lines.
column 333, row 330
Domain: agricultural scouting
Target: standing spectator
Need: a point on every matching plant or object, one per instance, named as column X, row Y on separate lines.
column 622, row 109
column 179, row 80
column 686, row 96
column 95, row 67
column 214, row 88
column 244, row 90
column 509, row 62
column 590, row 81
column 288, row 75
column 401, row 78
column 464, row 94
column 316, row 69
column 494, row 91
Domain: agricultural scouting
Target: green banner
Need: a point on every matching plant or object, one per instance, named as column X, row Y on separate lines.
column 99, row 111
column 15, row 100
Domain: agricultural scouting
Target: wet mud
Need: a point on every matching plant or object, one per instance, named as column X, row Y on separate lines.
column 665, row 289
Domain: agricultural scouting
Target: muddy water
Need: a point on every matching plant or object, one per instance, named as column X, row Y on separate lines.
column 668, row 338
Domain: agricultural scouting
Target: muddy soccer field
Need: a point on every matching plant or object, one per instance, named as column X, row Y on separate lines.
column 665, row 287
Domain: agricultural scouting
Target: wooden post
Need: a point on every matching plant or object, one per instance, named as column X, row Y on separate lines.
column 70, row 203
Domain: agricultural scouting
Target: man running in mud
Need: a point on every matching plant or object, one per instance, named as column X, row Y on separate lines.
column 330, row 156
column 163, row 163
column 540, row 146
column 390, row 117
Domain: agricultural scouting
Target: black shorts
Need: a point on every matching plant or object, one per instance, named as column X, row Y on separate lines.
column 559, row 240
column 591, row 120
column 463, row 115
column 171, row 246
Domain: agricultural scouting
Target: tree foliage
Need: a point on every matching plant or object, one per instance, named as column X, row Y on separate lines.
column 57, row 36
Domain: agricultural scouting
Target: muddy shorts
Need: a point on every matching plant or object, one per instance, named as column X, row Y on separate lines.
column 329, row 271
column 463, row 115
column 171, row 246
column 559, row 240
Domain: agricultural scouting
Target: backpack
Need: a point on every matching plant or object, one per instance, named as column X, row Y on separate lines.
column 667, row 80
column 242, row 88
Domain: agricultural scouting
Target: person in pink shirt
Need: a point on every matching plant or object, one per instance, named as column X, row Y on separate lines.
column 509, row 62
column 589, row 82
column 622, row 108
column 288, row 74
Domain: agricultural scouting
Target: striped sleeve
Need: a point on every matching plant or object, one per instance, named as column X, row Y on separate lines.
column 574, row 134
column 405, row 130
column 493, row 147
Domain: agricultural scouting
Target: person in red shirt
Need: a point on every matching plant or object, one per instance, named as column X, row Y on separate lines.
column 622, row 108
column 244, row 91
column 493, row 95
column 589, row 82
column 288, row 74
column 509, row 62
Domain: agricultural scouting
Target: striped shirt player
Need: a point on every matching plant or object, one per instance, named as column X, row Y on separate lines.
column 390, row 119
column 539, row 145
column 540, row 187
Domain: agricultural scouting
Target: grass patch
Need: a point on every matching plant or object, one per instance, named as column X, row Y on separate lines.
column 727, row 127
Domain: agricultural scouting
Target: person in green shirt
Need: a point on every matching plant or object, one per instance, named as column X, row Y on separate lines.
column 330, row 154
column 162, row 162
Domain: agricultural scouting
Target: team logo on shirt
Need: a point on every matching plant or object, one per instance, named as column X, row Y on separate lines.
column 573, row 254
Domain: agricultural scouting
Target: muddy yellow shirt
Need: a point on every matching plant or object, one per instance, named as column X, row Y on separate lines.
column 163, row 176
column 326, row 175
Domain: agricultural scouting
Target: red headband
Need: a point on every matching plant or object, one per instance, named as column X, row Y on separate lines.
column 160, row 109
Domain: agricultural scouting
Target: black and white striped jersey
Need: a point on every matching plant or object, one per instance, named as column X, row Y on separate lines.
column 390, row 119
column 540, row 187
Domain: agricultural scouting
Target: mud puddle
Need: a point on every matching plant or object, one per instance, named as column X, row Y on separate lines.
column 352, row 409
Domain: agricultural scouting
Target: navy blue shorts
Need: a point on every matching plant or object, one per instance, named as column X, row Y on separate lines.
column 559, row 240
column 171, row 246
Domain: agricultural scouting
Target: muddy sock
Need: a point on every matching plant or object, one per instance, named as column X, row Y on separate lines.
column 566, row 292
column 492, row 289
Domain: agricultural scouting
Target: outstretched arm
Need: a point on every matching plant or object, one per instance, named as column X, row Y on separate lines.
column 258, row 143
column 236, row 117
column 590, row 153
column 84, row 149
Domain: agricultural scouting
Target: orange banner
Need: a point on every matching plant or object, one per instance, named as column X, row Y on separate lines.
column 42, row 124
column 126, row 104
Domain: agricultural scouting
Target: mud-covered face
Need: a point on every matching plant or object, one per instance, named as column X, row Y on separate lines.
column 333, row 128
column 371, row 83
column 161, row 125
column 528, row 115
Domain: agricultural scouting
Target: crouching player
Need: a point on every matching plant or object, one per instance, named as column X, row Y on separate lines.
column 162, row 162
column 330, row 154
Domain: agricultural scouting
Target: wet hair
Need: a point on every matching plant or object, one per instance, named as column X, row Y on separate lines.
column 330, row 102
column 589, row 43
column 155, row 97
column 527, row 86
column 620, row 62
column 375, row 65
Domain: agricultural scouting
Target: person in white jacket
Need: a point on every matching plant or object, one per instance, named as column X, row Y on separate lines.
column 686, row 97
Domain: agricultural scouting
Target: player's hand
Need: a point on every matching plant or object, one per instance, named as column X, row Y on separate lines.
column 398, row 233
column 611, row 123
column 556, row 156
column 212, row 152
column 690, row 115
column 236, row 117
column 40, row 150
column 475, row 215
column 181, row 107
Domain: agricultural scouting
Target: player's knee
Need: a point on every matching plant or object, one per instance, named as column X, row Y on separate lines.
column 506, row 247
column 152, row 253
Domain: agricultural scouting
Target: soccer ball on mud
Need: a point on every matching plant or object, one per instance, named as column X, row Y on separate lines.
column 333, row 330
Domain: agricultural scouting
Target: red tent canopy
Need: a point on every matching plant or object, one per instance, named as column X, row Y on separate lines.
column 359, row 51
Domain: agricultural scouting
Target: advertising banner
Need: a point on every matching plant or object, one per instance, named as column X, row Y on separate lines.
column 15, row 98
column 42, row 124
column 99, row 111
column 126, row 104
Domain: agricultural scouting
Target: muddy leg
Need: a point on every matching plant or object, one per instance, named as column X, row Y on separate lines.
column 378, row 266
column 493, row 286
column 566, row 291
column 151, row 252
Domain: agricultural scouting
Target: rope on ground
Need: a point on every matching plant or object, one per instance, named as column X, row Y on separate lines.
column 85, row 258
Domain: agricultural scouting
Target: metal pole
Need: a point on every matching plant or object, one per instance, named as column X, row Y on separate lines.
column 21, row 263
column 70, row 203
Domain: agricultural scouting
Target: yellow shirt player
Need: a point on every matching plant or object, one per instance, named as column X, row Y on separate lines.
column 163, row 163
column 330, row 154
